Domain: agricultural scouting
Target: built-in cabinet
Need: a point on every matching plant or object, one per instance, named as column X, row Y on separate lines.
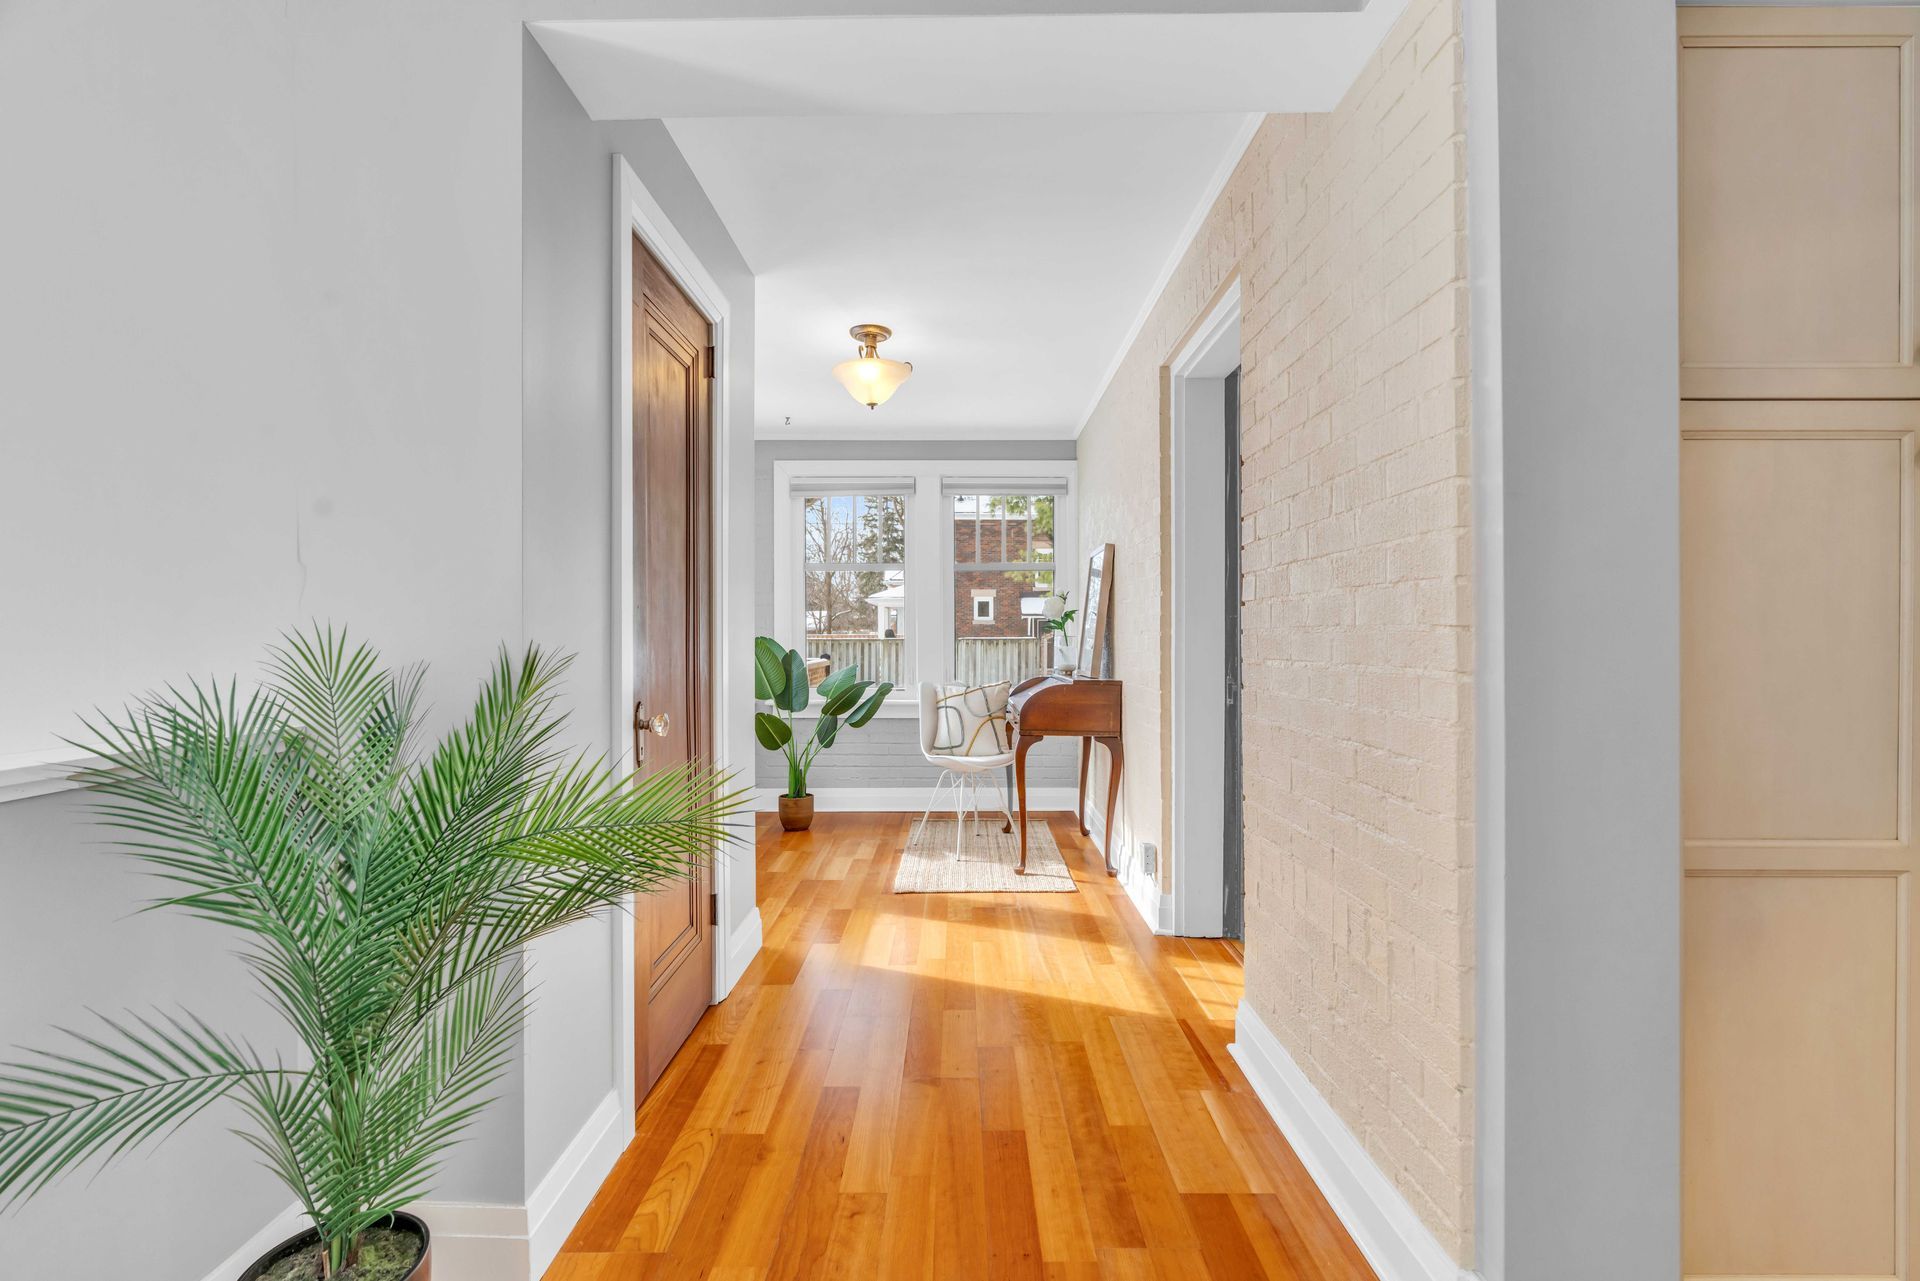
column 1798, row 582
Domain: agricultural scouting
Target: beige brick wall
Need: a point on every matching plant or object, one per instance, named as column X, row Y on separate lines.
column 1347, row 231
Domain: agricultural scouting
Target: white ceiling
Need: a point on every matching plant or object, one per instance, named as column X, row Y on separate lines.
column 1007, row 193
column 1011, row 63
column 1007, row 253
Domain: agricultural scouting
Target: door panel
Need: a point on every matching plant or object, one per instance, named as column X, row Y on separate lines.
column 1797, row 589
column 1797, row 202
column 673, row 952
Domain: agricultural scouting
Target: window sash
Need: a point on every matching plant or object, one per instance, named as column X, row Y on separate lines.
column 930, row 566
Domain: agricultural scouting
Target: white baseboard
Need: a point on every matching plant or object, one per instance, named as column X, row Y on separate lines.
column 287, row 1223
column 909, row 800
column 1377, row 1217
column 1142, row 886
column 479, row 1241
column 743, row 944
column 564, row 1193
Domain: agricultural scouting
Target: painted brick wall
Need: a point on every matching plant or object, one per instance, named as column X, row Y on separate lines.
column 1347, row 231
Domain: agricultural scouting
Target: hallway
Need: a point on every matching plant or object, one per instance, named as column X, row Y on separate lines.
column 957, row 1086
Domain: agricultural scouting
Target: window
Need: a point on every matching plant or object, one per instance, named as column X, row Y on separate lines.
column 855, row 582
column 1003, row 561
column 920, row 570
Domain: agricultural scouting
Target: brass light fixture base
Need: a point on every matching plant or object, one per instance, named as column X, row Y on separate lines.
column 869, row 337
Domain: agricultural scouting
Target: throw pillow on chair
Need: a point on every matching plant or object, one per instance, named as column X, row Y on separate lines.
column 971, row 720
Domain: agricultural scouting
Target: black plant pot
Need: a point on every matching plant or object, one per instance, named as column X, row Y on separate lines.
column 422, row 1268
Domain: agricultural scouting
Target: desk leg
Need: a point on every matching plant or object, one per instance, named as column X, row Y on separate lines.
column 1008, row 825
column 1116, row 754
column 1086, row 754
column 1020, row 779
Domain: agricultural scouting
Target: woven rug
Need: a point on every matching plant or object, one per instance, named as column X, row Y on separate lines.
column 929, row 864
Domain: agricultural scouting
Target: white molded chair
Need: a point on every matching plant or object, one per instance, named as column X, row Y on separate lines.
column 962, row 773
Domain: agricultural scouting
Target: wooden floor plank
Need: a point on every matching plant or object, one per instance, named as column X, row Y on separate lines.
column 960, row 1086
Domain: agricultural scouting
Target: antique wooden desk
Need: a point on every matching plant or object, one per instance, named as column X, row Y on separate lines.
column 1057, row 706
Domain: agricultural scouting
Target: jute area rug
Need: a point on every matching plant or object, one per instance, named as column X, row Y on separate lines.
column 931, row 865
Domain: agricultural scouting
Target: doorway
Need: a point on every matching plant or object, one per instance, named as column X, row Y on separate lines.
column 670, row 681
column 1206, row 821
column 1232, row 823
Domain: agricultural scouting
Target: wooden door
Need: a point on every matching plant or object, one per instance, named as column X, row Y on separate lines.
column 1798, row 679
column 1797, row 211
column 672, row 593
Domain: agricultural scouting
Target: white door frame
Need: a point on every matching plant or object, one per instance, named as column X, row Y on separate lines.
column 736, row 933
column 1197, row 419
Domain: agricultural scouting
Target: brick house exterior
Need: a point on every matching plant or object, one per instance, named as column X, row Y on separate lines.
column 1006, row 591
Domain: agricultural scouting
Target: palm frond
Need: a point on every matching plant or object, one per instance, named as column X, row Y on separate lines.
column 382, row 901
column 108, row 1090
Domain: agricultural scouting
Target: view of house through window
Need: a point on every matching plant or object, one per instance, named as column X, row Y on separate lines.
column 1002, row 573
column 856, row 583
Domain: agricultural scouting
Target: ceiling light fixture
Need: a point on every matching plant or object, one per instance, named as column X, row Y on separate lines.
column 867, row 377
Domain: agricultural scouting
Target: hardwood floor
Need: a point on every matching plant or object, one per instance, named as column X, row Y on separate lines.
column 963, row 1086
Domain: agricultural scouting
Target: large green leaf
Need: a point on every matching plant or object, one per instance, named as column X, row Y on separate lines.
column 769, row 667
column 825, row 730
column 865, row 712
column 772, row 732
column 837, row 681
column 844, row 699
column 793, row 695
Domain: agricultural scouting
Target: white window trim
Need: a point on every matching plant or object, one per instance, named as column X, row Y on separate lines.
column 929, row 549
column 986, row 598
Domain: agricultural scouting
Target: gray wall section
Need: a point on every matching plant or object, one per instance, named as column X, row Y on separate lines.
column 303, row 404
column 72, row 938
column 567, row 353
column 887, row 752
column 314, row 411
column 1576, row 408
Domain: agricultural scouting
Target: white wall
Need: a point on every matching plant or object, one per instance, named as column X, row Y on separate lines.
column 1574, row 247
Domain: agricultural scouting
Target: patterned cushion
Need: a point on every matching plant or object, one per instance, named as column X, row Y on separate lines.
column 971, row 720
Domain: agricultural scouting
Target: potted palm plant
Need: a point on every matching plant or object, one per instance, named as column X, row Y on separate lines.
column 780, row 677
column 383, row 897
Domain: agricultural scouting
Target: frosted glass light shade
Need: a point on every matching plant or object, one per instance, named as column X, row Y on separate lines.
column 872, row 379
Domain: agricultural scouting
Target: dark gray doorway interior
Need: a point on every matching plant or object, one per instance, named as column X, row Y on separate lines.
column 1232, row 828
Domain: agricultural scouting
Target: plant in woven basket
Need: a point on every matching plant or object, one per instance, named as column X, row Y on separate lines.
column 382, row 897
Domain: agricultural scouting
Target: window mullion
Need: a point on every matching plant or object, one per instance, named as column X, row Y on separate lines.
column 930, row 549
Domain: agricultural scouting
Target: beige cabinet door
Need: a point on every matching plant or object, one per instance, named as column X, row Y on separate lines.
column 1797, row 694
column 1797, row 217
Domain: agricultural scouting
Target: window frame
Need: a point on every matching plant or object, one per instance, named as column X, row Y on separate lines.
column 929, row 557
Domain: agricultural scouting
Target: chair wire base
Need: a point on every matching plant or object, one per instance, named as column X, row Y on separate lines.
column 966, row 800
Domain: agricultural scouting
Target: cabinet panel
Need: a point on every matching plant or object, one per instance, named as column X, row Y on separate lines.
column 1796, row 203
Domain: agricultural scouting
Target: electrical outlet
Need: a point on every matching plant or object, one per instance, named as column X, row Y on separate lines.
column 1149, row 858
